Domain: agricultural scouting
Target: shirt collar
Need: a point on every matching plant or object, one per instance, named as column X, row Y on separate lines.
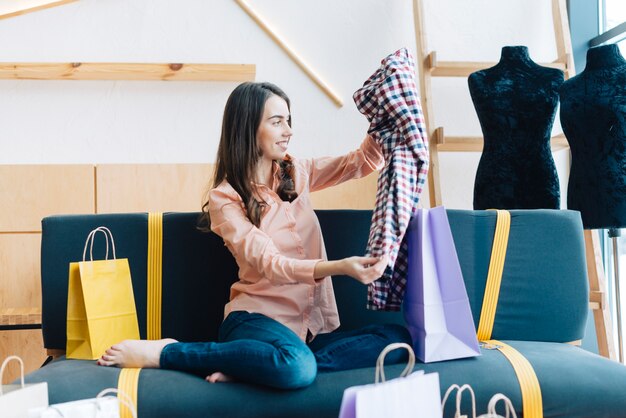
column 275, row 176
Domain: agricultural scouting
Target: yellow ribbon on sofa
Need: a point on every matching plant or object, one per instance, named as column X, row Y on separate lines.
column 155, row 271
column 127, row 383
column 532, row 405
column 494, row 276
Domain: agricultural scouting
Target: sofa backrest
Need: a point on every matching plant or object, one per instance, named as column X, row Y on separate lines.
column 543, row 293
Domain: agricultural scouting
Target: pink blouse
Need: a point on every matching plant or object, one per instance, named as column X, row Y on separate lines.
column 277, row 259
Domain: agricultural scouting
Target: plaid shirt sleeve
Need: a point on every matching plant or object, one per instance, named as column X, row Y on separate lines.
column 390, row 101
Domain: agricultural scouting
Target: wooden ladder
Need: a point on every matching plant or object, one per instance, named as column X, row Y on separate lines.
column 428, row 66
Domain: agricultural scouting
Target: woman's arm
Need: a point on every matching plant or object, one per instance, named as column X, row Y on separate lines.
column 329, row 171
column 254, row 249
column 363, row 269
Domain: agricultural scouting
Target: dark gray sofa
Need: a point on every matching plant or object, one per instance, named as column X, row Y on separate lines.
column 543, row 305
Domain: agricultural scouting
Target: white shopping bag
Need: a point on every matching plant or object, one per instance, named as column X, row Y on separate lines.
column 99, row 407
column 491, row 407
column 15, row 400
column 408, row 396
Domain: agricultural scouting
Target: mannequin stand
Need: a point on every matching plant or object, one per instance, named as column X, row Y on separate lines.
column 614, row 234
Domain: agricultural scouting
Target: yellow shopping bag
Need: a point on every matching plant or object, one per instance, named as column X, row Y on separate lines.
column 100, row 305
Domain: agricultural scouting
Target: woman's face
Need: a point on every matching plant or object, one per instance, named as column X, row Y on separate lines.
column 274, row 131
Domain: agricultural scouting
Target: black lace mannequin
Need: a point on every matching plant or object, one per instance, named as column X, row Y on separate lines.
column 516, row 102
column 593, row 116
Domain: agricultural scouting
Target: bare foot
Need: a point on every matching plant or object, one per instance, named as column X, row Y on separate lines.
column 135, row 353
column 218, row 377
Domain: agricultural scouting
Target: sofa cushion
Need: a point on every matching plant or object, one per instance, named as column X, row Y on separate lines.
column 574, row 383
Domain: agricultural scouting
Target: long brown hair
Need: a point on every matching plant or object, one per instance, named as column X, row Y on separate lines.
column 238, row 152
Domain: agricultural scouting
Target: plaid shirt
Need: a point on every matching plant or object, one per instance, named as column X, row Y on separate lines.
column 390, row 101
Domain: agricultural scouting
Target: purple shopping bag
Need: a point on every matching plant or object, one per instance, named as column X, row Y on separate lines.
column 436, row 307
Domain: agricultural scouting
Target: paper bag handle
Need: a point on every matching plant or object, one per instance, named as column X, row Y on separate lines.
column 91, row 238
column 380, row 362
column 459, row 396
column 125, row 399
column 4, row 364
column 491, row 408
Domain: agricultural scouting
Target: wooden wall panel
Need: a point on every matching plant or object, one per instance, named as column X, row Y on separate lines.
column 151, row 187
column 182, row 187
column 28, row 345
column 20, row 270
column 353, row 194
column 30, row 192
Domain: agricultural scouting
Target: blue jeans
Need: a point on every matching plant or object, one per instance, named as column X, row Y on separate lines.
column 261, row 350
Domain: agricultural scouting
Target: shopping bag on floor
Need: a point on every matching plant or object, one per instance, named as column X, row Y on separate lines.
column 100, row 303
column 15, row 400
column 101, row 406
column 436, row 307
column 410, row 395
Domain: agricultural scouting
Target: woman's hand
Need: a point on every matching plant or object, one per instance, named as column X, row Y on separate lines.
column 363, row 269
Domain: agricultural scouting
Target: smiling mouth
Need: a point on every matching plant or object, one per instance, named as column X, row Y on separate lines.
column 283, row 144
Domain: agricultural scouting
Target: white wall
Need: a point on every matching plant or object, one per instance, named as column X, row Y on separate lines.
column 179, row 122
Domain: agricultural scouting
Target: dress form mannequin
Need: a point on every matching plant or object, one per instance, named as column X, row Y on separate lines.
column 593, row 116
column 516, row 103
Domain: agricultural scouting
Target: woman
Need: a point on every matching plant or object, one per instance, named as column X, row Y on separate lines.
column 279, row 321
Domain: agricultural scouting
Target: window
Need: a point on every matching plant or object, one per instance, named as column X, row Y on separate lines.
column 613, row 13
column 612, row 24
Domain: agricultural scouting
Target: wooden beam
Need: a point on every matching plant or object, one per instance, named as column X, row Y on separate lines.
column 431, row 60
column 475, row 143
column 424, row 61
column 597, row 300
column 18, row 8
column 127, row 71
column 461, row 144
column 597, row 295
column 563, row 37
column 559, row 142
column 291, row 53
column 20, row 316
column 465, row 68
